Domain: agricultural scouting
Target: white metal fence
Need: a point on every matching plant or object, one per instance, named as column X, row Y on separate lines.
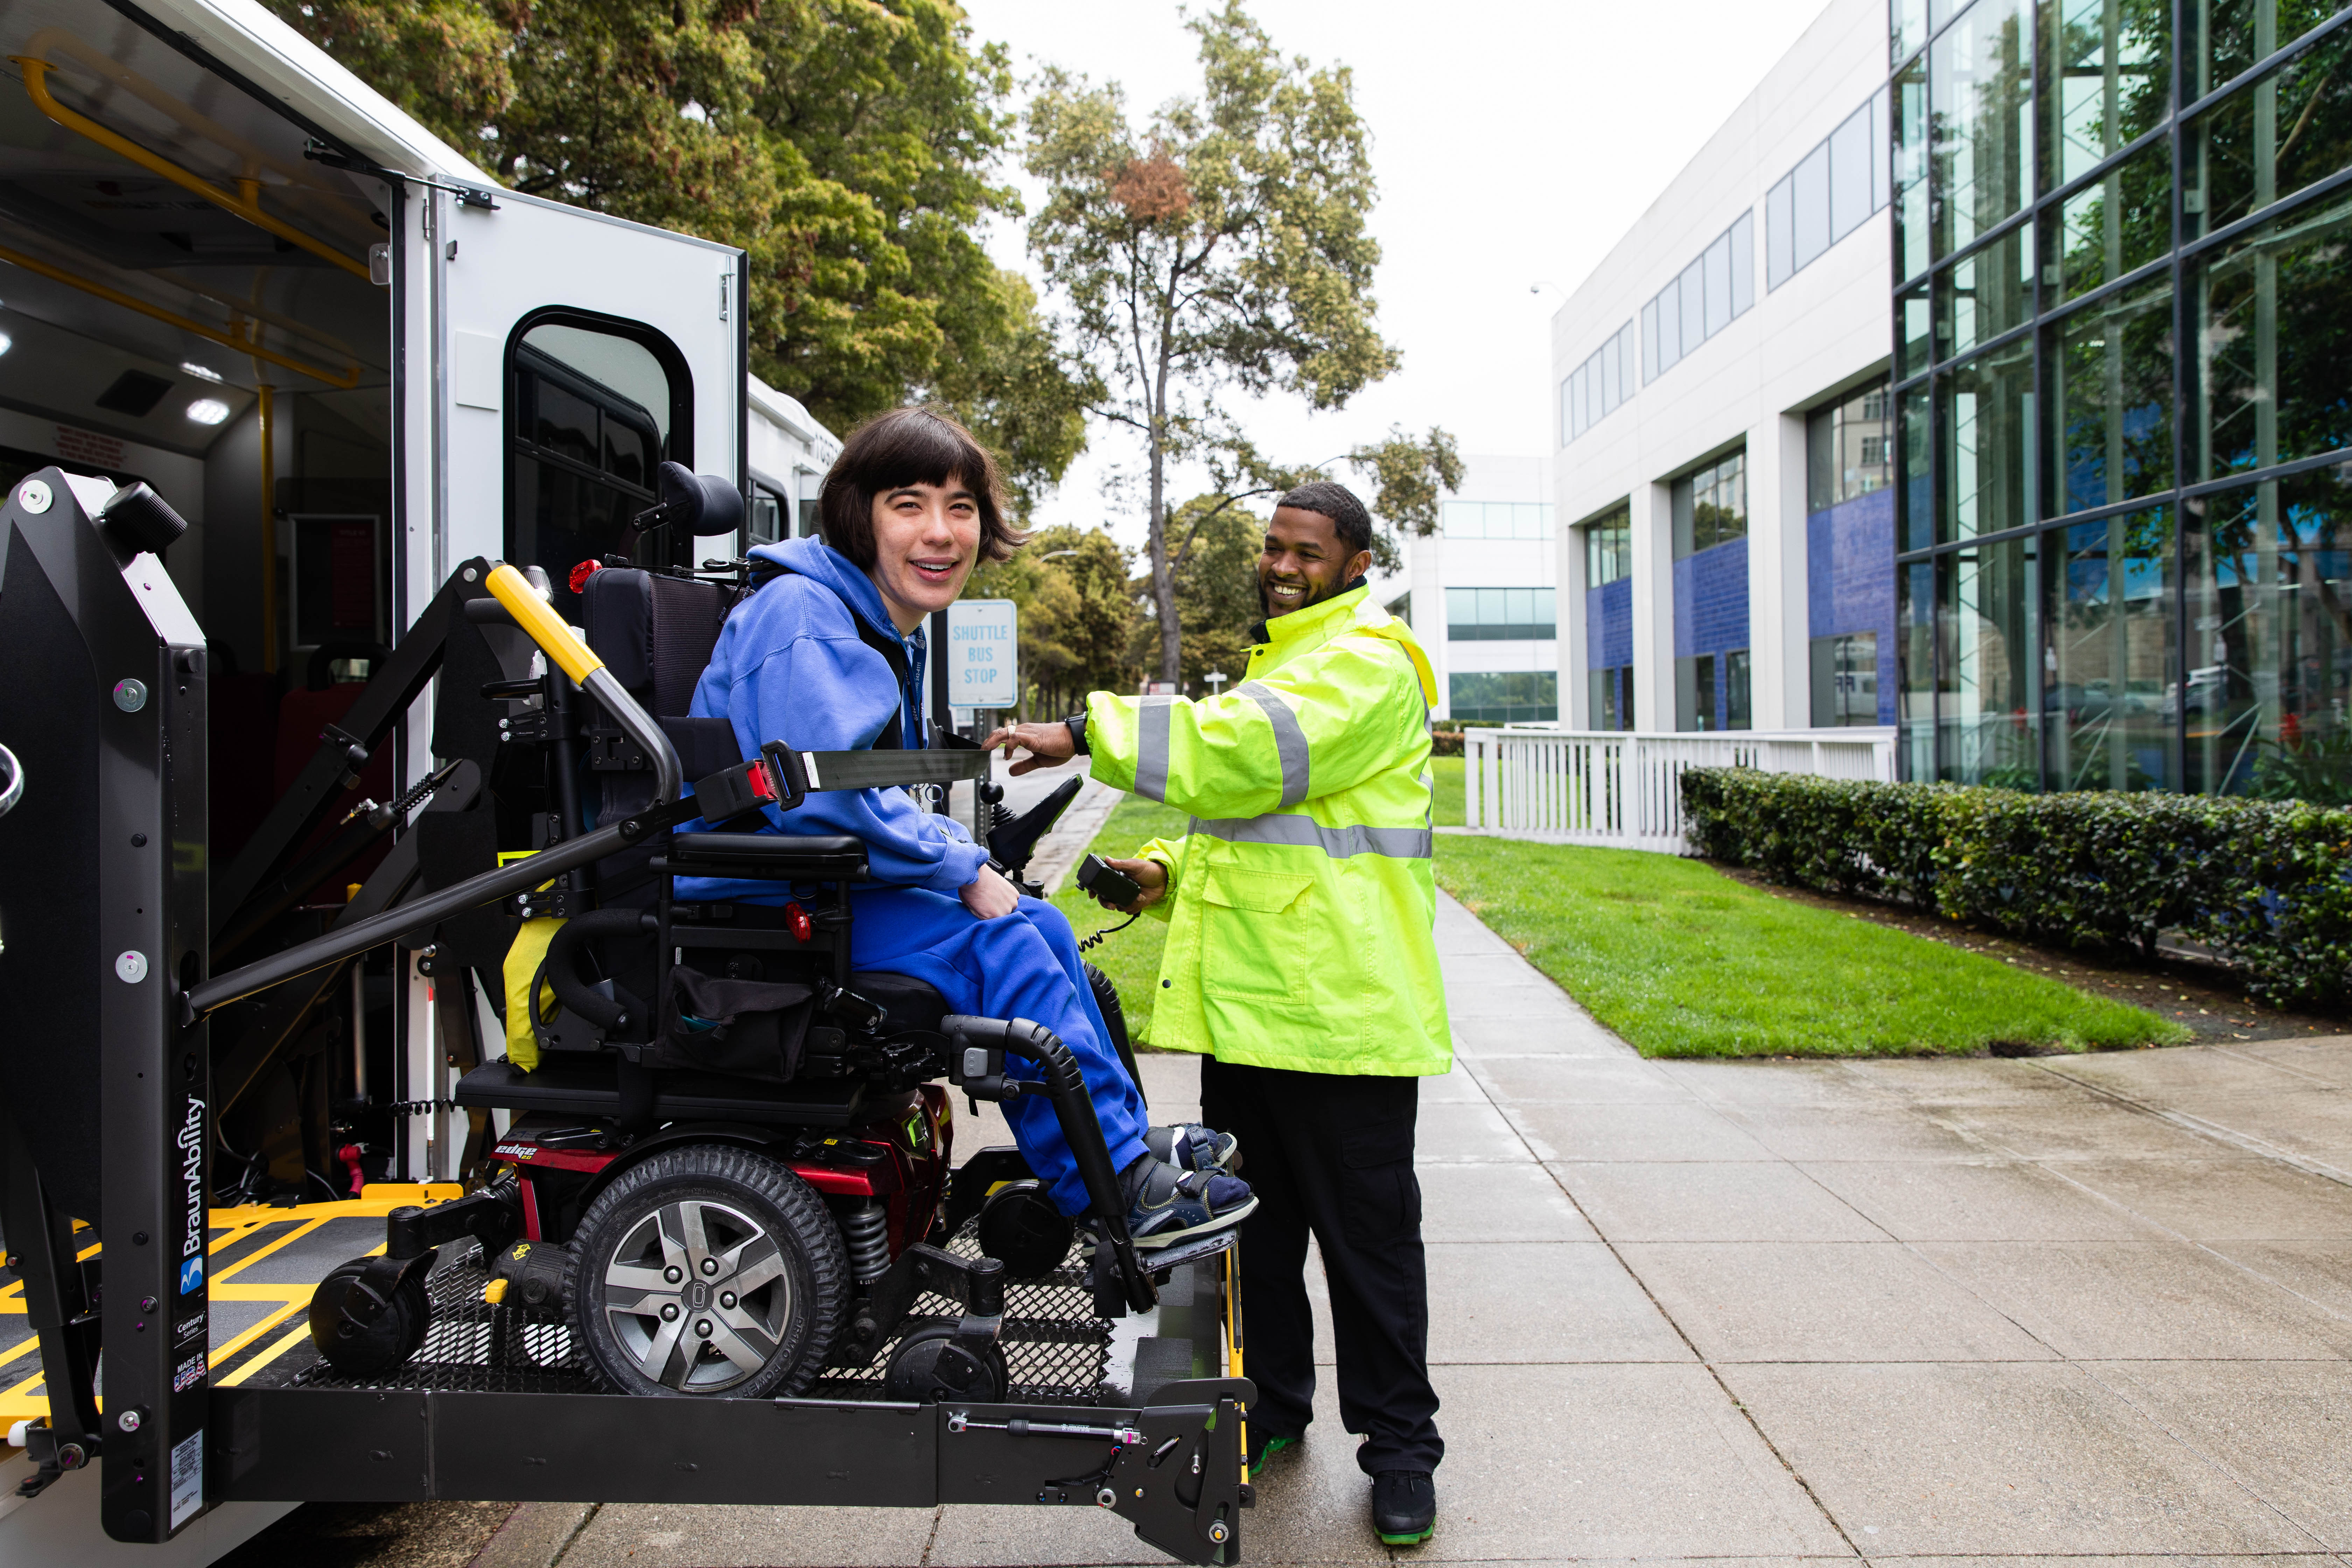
column 1623, row 789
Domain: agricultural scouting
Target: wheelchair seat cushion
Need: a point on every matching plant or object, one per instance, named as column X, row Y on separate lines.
column 905, row 1003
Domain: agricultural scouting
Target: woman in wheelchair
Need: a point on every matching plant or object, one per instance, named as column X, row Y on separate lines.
column 828, row 655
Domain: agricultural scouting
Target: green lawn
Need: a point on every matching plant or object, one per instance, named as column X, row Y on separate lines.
column 1131, row 958
column 1445, row 778
column 1682, row 961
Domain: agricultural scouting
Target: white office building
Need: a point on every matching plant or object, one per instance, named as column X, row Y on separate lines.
column 1482, row 595
column 1726, row 558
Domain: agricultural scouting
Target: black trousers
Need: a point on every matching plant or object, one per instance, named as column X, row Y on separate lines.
column 1332, row 1156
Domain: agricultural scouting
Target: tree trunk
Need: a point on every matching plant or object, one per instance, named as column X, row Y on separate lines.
column 1163, row 580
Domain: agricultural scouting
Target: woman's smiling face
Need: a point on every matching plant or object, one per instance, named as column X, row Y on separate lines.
column 925, row 538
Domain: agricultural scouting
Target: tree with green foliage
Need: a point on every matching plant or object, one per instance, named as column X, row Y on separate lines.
column 847, row 145
column 1221, row 244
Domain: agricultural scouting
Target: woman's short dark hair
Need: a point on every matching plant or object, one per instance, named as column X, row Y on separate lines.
column 923, row 446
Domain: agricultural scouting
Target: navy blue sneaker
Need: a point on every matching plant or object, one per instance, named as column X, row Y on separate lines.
column 1188, row 1146
column 1166, row 1205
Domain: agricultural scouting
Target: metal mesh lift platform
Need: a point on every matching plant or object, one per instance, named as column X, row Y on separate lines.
column 1057, row 1350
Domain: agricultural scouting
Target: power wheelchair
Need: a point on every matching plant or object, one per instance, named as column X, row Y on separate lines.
column 728, row 1168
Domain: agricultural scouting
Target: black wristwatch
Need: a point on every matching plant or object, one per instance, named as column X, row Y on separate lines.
column 1076, row 725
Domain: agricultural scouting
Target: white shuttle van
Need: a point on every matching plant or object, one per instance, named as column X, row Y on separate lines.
column 232, row 270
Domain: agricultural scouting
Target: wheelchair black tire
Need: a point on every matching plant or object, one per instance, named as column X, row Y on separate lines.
column 748, row 1197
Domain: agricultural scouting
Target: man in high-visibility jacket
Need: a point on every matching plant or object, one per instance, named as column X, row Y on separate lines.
column 1301, row 964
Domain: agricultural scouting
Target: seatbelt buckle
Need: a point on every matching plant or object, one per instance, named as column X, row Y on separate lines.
column 737, row 794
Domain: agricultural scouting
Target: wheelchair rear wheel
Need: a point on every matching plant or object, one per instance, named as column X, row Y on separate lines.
column 706, row 1269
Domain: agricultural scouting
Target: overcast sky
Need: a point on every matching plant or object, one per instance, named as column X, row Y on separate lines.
column 1514, row 141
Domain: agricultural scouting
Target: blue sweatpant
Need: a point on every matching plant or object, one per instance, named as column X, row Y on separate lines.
column 1021, row 965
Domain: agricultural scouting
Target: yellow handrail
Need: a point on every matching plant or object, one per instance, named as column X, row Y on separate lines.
column 230, row 340
column 541, row 622
column 246, row 201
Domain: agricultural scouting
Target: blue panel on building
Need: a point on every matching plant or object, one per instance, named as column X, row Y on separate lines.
column 1609, row 624
column 1711, row 600
column 1849, row 580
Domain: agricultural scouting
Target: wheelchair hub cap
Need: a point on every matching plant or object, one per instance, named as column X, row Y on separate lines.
column 697, row 1296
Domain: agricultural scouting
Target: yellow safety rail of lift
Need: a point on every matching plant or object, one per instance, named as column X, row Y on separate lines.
column 244, row 201
column 240, row 1238
column 228, row 340
column 1233, row 1336
column 544, row 626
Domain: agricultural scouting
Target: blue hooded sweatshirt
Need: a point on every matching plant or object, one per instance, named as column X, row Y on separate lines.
column 789, row 666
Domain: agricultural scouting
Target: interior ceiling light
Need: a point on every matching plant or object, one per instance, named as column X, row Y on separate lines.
column 6, row 343
column 207, row 411
column 202, row 372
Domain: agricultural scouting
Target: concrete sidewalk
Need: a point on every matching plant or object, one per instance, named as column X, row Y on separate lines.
column 2095, row 1308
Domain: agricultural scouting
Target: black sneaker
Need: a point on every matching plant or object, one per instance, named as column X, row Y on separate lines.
column 1404, row 1507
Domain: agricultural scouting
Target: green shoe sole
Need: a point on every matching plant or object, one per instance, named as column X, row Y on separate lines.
column 1407, row 1539
column 1272, row 1445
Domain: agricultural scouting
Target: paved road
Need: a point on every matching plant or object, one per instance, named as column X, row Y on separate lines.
column 2093, row 1308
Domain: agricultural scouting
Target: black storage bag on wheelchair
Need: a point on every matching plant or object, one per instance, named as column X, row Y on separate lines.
column 749, row 1028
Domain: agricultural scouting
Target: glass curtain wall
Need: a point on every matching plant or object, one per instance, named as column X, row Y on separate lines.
column 2122, row 413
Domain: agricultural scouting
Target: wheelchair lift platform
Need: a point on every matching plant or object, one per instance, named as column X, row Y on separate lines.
column 392, row 1438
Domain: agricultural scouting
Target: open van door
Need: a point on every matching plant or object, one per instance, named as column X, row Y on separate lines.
column 550, row 359
column 553, row 357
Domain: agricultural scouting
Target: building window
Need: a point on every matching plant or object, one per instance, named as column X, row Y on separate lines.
column 1609, row 548
column 1845, row 679
column 1845, row 450
column 1980, row 102
column 1515, row 697
column 1496, row 518
column 1710, row 294
column 1832, row 192
column 1611, row 694
column 1711, row 692
column 1594, row 389
column 1711, row 505
column 1501, row 614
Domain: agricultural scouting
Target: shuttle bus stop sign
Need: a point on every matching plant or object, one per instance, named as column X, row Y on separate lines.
column 982, row 658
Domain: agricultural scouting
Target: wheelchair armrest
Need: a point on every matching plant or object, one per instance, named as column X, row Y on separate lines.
column 782, row 855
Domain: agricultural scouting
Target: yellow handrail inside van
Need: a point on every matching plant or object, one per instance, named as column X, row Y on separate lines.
column 538, row 619
column 244, row 202
column 229, row 339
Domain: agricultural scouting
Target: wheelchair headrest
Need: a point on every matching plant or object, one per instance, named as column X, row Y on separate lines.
column 702, row 505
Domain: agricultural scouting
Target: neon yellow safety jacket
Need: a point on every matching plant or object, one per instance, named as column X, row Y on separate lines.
column 1301, row 902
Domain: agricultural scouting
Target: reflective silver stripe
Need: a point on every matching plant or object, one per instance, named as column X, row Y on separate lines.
column 1288, row 828
column 1151, row 748
column 1289, row 740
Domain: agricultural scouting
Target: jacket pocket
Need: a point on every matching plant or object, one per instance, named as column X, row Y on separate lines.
column 1245, row 949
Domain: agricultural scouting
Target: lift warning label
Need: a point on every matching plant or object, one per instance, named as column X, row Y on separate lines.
column 188, row 1477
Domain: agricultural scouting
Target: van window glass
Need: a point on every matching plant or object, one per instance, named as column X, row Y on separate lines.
column 593, row 417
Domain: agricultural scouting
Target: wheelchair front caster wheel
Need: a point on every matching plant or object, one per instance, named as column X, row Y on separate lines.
column 367, row 1349
column 1021, row 1228
column 930, row 1366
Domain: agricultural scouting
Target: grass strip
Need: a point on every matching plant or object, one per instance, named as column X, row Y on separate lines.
column 1131, row 958
column 1681, row 961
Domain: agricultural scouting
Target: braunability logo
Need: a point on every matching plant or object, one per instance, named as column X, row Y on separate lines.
column 192, row 1173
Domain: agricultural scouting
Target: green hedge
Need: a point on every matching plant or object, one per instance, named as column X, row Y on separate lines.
column 2266, row 885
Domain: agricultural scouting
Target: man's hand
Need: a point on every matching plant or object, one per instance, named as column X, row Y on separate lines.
column 1149, row 875
column 1048, row 745
column 989, row 895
